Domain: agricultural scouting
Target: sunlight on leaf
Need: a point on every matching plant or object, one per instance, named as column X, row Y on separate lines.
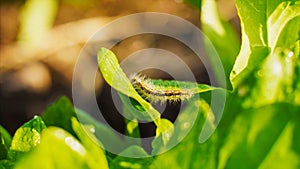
column 114, row 76
column 219, row 32
column 59, row 114
column 255, row 135
column 6, row 138
column 28, row 136
column 122, row 161
column 58, row 149
column 284, row 12
column 189, row 153
column 95, row 155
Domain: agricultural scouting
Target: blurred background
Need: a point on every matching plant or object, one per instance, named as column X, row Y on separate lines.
column 41, row 40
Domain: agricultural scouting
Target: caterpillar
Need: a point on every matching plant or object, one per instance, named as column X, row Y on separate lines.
column 157, row 90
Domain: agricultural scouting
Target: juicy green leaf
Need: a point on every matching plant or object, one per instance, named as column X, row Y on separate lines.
column 26, row 138
column 132, row 128
column 247, row 62
column 289, row 34
column 189, row 153
column 58, row 149
column 260, row 33
column 6, row 164
column 130, row 114
column 133, row 109
column 115, row 77
column 95, row 153
column 5, row 142
column 103, row 133
column 254, row 47
column 123, row 162
column 165, row 130
column 284, row 12
column 276, row 80
column 59, row 114
column 6, row 138
column 219, row 32
column 3, row 151
column 258, row 135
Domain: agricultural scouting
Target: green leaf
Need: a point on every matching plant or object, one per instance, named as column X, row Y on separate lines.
column 165, row 130
column 115, row 77
column 3, row 151
column 132, row 128
column 261, row 33
column 194, row 3
column 254, row 47
column 278, row 19
column 289, row 34
column 95, row 153
column 247, row 62
column 5, row 142
column 6, row 164
column 276, row 81
column 123, row 162
column 219, row 32
column 254, row 27
column 59, row 114
column 103, row 133
column 274, row 73
column 58, row 149
column 188, row 153
column 133, row 109
column 130, row 107
column 26, row 138
column 5, row 137
column 263, row 138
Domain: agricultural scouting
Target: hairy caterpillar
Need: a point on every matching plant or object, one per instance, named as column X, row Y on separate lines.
column 166, row 90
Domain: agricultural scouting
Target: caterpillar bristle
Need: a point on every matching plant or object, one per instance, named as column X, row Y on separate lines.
column 161, row 90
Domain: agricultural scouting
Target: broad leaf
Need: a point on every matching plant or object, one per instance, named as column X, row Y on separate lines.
column 263, row 138
column 59, row 114
column 260, row 33
column 95, row 153
column 131, row 114
column 123, row 162
column 219, row 33
column 189, row 153
column 58, row 149
column 6, row 138
column 6, row 164
column 5, row 142
column 106, row 135
column 115, row 77
column 26, row 138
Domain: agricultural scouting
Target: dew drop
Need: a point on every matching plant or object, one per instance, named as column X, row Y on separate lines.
column 290, row 54
column 167, row 135
column 186, row 125
column 92, row 130
column 259, row 73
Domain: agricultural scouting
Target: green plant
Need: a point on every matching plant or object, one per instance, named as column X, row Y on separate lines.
column 260, row 123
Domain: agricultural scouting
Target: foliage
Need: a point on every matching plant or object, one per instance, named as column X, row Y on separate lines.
column 260, row 124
